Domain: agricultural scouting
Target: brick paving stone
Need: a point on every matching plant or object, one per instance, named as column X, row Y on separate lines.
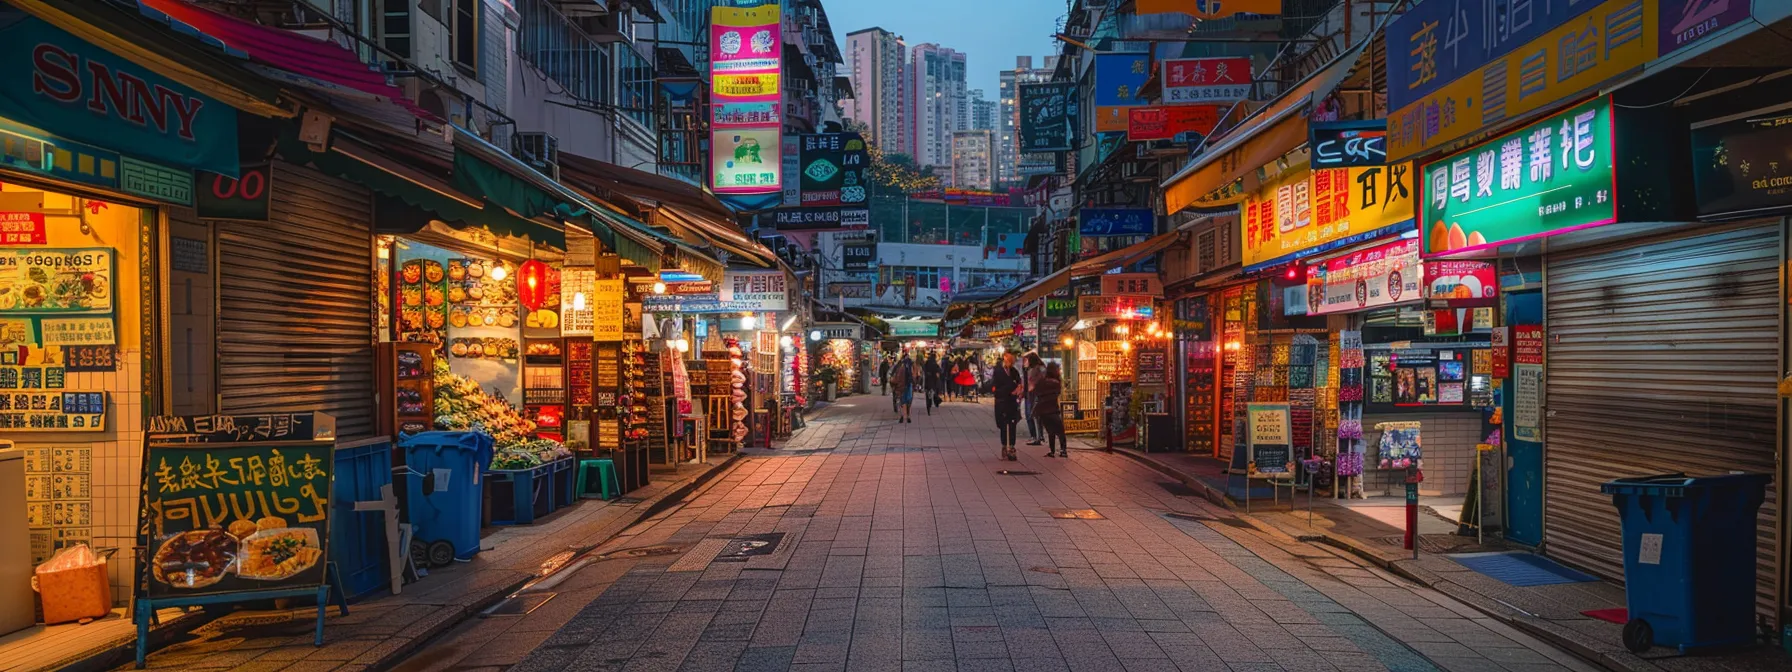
column 930, row 560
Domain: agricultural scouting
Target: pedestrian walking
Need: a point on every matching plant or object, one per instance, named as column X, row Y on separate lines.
column 1046, row 405
column 1035, row 372
column 930, row 377
column 1009, row 387
column 964, row 381
column 883, row 375
column 902, row 384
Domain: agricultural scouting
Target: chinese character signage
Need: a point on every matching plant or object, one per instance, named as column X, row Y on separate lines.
column 1462, row 283
column 1049, row 117
column 22, row 228
column 1183, row 123
column 1454, row 70
column 1118, row 78
column 833, row 169
column 61, row 84
column 1147, row 284
column 1348, row 144
column 1099, row 222
column 1551, row 176
column 858, row 256
column 1305, row 213
column 234, row 503
column 1742, row 166
column 1206, row 80
column 821, row 219
column 745, row 137
column 40, row 398
column 745, row 160
column 1115, row 307
column 77, row 331
column 56, row 281
column 755, row 291
column 607, row 318
column 1379, row 276
column 578, row 293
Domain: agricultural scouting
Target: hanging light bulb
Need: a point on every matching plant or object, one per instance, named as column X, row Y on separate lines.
column 747, row 323
column 499, row 272
column 578, row 300
column 1069, row 341
column 1126, row 346
column 786, row 341
column 659, row 287
column 684, row 345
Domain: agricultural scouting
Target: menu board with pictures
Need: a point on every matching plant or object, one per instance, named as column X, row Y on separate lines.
column 235, row 503
column 422, row 301
column 56, row 281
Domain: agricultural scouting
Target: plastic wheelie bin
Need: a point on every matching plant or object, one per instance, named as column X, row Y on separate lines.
column 1689, row 558
column 443, row 473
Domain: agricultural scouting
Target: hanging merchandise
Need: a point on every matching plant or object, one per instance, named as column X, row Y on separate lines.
column 1399, row 445
column 737, row 381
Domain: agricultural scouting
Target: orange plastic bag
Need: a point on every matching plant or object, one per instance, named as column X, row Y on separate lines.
column 73, row 585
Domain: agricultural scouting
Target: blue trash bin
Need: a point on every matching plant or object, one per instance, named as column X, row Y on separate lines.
column 445, row 515
column 1689, row 558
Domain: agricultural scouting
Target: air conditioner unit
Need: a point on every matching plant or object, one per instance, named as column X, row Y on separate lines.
column 540, row 150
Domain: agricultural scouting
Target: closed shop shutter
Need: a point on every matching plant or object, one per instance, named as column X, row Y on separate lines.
column 1661, row 357
column 296, row 300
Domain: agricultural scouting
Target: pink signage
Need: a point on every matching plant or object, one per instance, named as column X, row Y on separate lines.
column 1369, row 278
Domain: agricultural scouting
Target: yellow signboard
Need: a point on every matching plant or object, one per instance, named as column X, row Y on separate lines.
column 1611, row 39
column 1306, row 212
column 752, row 85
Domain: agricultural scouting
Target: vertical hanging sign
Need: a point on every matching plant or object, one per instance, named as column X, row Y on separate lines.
column 745, row 55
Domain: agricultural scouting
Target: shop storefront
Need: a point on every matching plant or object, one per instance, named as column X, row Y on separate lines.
column 840, row 353
column 733, row 346
column 97, row 232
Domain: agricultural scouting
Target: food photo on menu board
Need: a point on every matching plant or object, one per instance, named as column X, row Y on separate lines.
column 228, row 506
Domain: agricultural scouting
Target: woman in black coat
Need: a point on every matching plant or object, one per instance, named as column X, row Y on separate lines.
column 1008, row 386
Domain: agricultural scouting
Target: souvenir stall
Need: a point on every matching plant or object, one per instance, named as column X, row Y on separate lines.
column 840, row 352
column 1274, row 361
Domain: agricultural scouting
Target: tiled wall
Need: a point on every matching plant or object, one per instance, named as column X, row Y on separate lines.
column 116, row 456
column 1448, row 440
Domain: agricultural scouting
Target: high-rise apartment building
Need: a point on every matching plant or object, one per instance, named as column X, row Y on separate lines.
column 938, row 103
column 973, row 160
column 983, row 112
column 877, row 65
column 1009, row 160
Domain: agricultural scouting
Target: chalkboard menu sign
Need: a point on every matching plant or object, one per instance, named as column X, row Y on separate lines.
column 235, row 503
column 1271, row 439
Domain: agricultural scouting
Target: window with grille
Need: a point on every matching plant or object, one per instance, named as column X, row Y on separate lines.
column 1204, row 260
column 635, row 95
column 395, row 27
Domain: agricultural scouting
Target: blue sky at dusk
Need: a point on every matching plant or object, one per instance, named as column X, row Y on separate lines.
column 990, row 32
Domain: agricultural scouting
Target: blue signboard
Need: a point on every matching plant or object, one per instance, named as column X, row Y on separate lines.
column 65, row 86
column 1118, row 78
column 691, row 303
column 1098, row 222
column 1438, row 41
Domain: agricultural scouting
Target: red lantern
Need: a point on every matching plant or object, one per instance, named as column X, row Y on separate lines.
column 532, row 284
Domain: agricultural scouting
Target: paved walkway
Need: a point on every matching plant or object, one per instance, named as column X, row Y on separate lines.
column 879, row 546
column 383, row 628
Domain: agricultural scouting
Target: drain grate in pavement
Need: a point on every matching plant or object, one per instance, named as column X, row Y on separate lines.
column 739, row 549
column 640, row 552
column 1178, row 489
column 699, row 556
column 1075, row 514
column 1011, row 472
column 521, row 604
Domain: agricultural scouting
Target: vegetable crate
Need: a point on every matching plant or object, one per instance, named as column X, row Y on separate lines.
column 519, row 496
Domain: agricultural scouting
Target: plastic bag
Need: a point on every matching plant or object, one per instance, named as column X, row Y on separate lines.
column 73, row 557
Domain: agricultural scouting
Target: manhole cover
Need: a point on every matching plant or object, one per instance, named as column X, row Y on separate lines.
column 741, row 548
column 1075, row 514
column 521, row 604
column 1011, row 472
column 1178, row 489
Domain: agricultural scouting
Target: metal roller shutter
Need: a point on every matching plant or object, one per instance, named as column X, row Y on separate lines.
column 296, row 300
column 1661, row 358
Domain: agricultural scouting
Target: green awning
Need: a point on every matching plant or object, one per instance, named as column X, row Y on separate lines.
column 345, row 163
column 497, row 185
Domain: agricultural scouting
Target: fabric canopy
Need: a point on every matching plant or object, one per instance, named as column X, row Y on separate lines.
column 283, row 50
column 1125, row 256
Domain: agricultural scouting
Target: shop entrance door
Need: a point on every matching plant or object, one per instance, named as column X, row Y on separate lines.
column 1524, row 459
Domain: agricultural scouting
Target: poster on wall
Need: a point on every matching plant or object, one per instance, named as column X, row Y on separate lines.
column 1462, row 283
column 745, row 160
column 1271, row 438
column 234, row 503
column 1400, row 447
column 56, row 281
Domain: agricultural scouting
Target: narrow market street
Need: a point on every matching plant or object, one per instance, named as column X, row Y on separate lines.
column 872, row 545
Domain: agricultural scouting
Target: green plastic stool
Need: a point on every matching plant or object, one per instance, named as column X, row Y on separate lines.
column 608, row 487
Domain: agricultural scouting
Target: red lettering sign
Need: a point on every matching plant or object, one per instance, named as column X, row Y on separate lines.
column 1160, row 122
column 22, row 228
